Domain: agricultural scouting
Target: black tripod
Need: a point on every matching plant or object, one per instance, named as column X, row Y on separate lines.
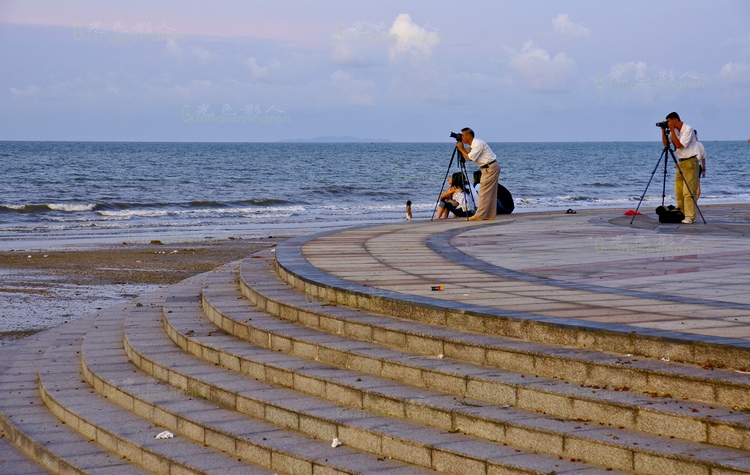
column 462, row 169
column 667, row 149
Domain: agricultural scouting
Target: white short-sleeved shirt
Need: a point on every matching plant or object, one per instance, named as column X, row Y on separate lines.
column 687, row 139
column 481, row 153
column 701, row 151
column 463, row 199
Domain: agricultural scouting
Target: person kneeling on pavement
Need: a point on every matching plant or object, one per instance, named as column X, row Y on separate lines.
column 459, row 199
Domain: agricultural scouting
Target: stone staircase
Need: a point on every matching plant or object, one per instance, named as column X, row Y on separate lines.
column 258, row 366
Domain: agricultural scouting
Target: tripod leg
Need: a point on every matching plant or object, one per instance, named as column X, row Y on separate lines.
column 444, row 180
column 470, row 198
column 664, row 179
column 663, row 154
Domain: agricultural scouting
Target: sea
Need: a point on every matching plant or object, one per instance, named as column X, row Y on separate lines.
column 78, row 192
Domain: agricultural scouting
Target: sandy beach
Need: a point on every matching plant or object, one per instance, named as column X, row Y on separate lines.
column 44, row 288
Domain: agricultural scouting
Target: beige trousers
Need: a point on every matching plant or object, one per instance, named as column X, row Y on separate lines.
column 487, row 207
column 688, row 178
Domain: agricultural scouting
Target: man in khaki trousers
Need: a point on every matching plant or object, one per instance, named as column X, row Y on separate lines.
column 686, row 179
column 480, row 153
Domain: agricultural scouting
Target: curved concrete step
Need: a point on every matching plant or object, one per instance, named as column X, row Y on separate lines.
column 295, row 270
column 623, row 449
column 44, row 439
column 119, row 430
column 410, row 442
column 670, row 416
column 261, row 285
column 208, row 414
column 15, row 462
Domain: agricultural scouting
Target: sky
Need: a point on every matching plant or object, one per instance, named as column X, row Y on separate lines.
column 406, row 71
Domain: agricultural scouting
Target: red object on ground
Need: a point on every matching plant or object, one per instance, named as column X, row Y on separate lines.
column 630, row 212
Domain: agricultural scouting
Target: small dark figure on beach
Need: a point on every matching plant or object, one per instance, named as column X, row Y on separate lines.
column 408, row 210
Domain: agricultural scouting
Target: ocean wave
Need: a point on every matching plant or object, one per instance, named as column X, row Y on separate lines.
column 13, row 207
column 71, row 207
column 567, row 199
column 340, row 189
column 116, row 206
column 47, row 207
column 227, row 204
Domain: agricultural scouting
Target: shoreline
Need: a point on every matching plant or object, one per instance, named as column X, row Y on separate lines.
column 53, row 282
column 44, row 288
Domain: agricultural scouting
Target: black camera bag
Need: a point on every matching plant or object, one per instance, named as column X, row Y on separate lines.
column 669, row 214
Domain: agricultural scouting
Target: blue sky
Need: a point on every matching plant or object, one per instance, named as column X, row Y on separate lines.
column 404, row 71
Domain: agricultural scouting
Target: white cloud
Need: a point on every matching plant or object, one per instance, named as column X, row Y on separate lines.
column 26, row 92
column 539, row 71
column 201, row 84
column 365, row 43
column 352, row 52
column 345, row 55
column 736, row 73
column 173, row 48
column 259, row 71
column 411, row 39
column 568, row 29
column 202, row 54
column 358, row 92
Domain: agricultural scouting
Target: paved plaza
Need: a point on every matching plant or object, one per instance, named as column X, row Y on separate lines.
column 595, row 267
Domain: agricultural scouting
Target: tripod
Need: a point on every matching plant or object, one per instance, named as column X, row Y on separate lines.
column 667, row 150
column 462, row 169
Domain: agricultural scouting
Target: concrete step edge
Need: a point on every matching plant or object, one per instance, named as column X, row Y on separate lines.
column 680, row 380
column 16, row 462
column 732, row 430
column 307, row 455
column 38, row 433
column 366, row 438
column 294, row 379
column 116, row 428
column 300, row 274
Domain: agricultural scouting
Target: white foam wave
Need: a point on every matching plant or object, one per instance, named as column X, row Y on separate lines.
column 67, row 207
column 130, row 213
column 15, row 207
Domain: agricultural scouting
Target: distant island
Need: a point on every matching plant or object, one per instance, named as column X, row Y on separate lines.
column 332, row 138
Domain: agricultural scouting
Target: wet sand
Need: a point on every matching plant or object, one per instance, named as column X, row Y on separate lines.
column 40, row 289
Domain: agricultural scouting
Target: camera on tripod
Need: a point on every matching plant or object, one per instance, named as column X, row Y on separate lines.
column 669, row 214
column 458, row 137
